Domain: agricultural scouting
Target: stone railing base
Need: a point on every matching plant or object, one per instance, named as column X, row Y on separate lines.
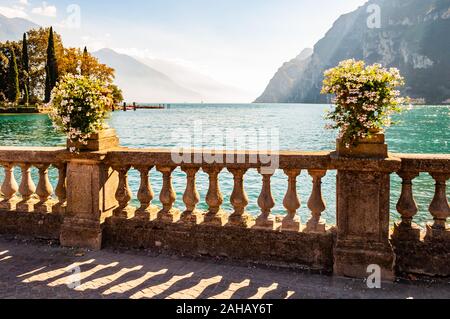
column 356, row 260
column 81, row 233
column 290, row 249
column 422, row 256
column 303, row 251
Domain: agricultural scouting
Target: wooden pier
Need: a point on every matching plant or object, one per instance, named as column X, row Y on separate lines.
column 135, row 107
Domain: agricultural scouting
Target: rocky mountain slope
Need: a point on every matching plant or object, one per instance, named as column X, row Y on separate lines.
column 413, row 36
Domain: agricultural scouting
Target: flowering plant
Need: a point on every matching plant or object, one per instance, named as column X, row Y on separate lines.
column 79, row 107
column 365, row 98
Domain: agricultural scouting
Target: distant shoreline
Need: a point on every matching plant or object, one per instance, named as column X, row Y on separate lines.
column 23, row 110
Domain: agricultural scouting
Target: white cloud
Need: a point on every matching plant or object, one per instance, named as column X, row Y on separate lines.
column 45, row 10
column 24, row 2
column 13, row 12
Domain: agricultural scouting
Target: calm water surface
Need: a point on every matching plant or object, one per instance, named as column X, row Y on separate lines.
column 301, row 127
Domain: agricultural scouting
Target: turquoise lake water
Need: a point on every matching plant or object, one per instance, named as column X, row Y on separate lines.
column 301, row 127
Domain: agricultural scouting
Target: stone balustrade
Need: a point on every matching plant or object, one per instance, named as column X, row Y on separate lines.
column 27, row 197
column 291, row 163
column 438, row 167
column 426, row 252
column 95, row 208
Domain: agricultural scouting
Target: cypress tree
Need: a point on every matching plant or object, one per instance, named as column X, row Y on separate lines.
column 25, row 70
column 84, row 62
column 48, row 91
column 52, row 67
column 13, row 91
column 25, row 96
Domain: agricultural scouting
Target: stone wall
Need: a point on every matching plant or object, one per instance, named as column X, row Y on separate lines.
column 306, row 251
column 426, row 257
column 287, row 249
column 35, row 225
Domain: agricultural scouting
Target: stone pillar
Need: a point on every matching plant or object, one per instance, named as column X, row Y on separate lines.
column 363, row 190
column 91, row 188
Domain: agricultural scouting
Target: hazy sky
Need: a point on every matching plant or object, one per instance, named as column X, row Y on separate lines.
column 237, row 42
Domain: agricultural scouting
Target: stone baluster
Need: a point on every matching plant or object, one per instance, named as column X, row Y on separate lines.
column 406, row 205
column 123, row 194
column 214, row 198
column 291, row 202
column 266, row 202
column 26, row 189
column 316, row 203
column 9, row 188
column 145, row 195
column 44, row 190
column 191, row 198
column 61, row 189
column 407, row 208
column 239, row 200
column 168, row 197
column 439, row 207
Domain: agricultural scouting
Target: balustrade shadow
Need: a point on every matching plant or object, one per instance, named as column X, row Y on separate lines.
column 25, row 273
column 115, row 277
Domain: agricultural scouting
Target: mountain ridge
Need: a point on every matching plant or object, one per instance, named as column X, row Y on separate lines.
column 210, row 89
column 411, row 38
column 137, row 79
column 13, row 28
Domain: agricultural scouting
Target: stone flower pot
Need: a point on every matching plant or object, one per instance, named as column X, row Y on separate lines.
column 370, row 147
column 102, row 140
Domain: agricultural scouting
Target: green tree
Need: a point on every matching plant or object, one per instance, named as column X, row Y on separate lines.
column 47, row 83
column 84, row 62
column 52, row 67
column 13, row 91
column 3, row 75
column 25, row 69
column 5, row 56
column 116, row 94
column 25, row 96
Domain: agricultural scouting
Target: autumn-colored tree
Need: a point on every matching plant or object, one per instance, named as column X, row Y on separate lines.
column 70, row 61
column 31, row 56
column 75, row 61
column 37, row 51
